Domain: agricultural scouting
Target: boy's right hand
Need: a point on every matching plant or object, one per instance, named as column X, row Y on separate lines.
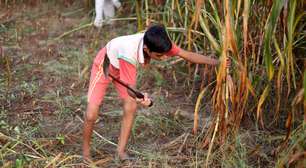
column 146, row 101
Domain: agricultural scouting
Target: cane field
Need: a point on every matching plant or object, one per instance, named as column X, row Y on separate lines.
column 252, row 114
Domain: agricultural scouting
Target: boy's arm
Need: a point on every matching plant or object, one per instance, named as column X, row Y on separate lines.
column 197, row 58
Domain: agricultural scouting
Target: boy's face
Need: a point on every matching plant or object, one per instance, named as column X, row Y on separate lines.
column 155, row 55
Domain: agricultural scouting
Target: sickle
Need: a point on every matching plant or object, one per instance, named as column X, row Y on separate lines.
column 132, row 92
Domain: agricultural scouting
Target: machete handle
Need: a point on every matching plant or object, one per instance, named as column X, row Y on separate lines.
column 132, row 92
column 136, row 94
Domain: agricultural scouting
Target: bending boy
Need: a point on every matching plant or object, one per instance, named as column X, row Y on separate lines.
column 125, row 53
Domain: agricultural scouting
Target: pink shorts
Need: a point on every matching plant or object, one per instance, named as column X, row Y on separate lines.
column 98, row 82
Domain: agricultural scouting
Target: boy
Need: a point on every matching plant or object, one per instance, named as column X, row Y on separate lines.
column 125, row 53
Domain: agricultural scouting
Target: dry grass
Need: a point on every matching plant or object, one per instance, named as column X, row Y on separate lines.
column 44, row 82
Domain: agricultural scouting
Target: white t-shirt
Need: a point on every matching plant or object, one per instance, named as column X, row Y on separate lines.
column 128, row 48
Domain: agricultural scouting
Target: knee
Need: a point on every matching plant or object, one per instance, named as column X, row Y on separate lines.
column 91, row 113
column 130, row 106
column 90, row 117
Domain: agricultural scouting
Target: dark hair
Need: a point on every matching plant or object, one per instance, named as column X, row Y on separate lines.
column 157, row 39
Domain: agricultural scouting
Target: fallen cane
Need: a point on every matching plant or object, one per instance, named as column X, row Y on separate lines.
column 132, row 92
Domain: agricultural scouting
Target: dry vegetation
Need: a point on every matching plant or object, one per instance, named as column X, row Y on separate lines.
column 251, row 115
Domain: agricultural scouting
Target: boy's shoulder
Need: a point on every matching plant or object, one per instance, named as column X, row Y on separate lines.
column 127, row 40
column 131, row 36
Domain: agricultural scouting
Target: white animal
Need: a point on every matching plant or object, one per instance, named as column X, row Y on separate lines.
column 105, row 10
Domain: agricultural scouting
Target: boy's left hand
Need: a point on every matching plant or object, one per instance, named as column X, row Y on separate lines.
column 228, row 62
column 146, row 101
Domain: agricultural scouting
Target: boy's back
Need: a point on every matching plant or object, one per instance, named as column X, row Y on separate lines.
column 129, row 48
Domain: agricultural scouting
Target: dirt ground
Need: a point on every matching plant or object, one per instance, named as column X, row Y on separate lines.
column 46, row 53
column 44, row 82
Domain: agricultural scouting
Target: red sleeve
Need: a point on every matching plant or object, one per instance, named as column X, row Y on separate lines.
column 173, row 51
column 127, row 72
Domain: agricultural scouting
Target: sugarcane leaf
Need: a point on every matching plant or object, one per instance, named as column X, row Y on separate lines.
column 269, row 31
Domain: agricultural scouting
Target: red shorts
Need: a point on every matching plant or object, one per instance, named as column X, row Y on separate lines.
column 98, row 82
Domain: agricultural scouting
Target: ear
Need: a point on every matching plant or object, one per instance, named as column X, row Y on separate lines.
column 146, row 49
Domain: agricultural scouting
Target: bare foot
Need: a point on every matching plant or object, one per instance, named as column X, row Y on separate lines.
column 124, row 156
column 86, row 156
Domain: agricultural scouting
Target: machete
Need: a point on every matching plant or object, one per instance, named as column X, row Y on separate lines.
column 132, row 92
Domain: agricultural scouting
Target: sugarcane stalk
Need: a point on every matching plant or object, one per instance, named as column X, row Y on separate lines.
column 212, row 141
column 138, row 13
column 226, row 97
column 147, row 13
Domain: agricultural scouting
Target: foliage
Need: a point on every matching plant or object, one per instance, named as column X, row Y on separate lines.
column 42, row 86
column 246, row 32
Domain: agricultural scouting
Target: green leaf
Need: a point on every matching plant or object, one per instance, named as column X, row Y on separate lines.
column 269, row 31
column 19, row 163
column 61, row 139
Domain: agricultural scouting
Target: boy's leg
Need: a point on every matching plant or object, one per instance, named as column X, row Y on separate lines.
column 129, row 111
column 90, row 118
column 126, row 73
column 97, row 88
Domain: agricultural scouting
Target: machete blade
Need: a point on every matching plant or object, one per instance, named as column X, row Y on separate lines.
column 106, row 66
